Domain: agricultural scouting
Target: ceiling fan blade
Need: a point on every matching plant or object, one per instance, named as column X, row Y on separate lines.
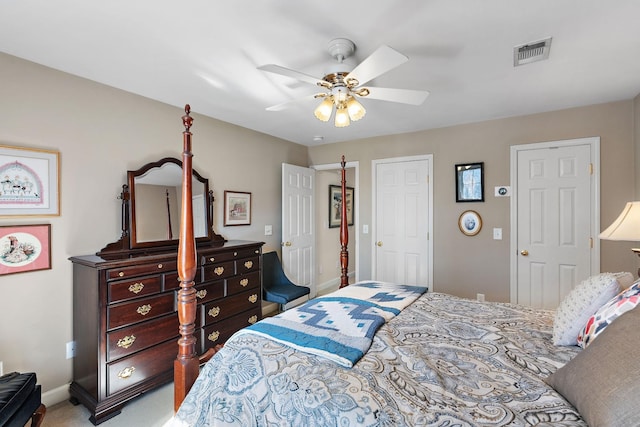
column 277, row 69
column 403, row 96
column 287, row 104
column 376, row 64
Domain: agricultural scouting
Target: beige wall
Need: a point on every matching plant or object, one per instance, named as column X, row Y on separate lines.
column 468, row 265
column 101, row 133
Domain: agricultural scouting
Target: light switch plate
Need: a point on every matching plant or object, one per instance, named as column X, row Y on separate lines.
column 268, row 230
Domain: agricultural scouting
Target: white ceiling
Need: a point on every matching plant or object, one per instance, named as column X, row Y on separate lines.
column 205, row 53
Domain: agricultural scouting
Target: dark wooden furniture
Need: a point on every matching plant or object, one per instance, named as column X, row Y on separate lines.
column 138, row 296
column 21, row 400
column 125, row 321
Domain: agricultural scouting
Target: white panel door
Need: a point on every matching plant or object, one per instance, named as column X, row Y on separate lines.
column 402, row 222
column 554, row 222
column 298, row 236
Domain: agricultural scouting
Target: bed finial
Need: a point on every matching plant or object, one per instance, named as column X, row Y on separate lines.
column 344, row 232
column 187, row 120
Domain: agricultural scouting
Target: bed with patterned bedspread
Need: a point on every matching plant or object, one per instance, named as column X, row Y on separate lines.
column 442, row 361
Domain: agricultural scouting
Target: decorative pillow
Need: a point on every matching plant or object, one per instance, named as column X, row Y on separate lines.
column 621, row 303
column 601, row 382
column 576, row 308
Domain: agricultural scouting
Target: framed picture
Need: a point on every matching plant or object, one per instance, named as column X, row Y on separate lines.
column 237, row 208
column 470, row 223
column 470, row 182
column 25, row 248
column 29, row 182
column 335, row 205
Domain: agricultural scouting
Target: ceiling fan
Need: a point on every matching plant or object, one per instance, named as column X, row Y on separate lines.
column 342, row 87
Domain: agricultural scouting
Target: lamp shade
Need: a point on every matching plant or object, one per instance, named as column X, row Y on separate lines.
column 626, row 226
column 342, row 116
column 324, row 110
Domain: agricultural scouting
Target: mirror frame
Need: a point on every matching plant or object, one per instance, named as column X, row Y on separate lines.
column 128, row 242
column 131, row 179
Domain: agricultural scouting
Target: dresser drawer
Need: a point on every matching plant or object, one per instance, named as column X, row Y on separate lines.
column 219, row 332
column 141, row 366
column 141, row 270
column 223, row 308
column 127, row 289
column 244, row 266
column 243, row 283
column 209, row 291
column 214, row 258
column 172, row 281
column 218, row 271
column 141, row 309
column 128, row 340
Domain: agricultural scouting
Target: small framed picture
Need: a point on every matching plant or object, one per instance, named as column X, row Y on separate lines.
column 335, row 205
column 25, row 248
column 470, row 182
column 470, row 223
column 237, row 208
column 29, row 182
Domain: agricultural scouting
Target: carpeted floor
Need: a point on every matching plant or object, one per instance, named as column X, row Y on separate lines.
column 152, row 409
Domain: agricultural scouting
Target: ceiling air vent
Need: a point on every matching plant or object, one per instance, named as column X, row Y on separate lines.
column 531, row 52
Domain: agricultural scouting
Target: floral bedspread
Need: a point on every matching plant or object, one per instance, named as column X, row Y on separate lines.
column 443, row 361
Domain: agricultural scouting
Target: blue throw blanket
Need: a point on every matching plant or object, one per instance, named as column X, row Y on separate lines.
column 341, row 325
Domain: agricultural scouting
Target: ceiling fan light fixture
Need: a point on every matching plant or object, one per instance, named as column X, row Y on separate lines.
column 324, row 110
column 342, row 116
column 355, row 109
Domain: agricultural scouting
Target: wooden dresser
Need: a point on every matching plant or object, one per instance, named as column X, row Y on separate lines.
column 125, row 323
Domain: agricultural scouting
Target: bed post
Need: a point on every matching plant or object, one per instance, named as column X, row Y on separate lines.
column 186, row 365
column 344, row 232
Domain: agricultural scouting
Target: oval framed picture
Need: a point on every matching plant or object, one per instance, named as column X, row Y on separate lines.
column 470, row 223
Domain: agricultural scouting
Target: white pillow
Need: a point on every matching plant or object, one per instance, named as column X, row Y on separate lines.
column 580, row 304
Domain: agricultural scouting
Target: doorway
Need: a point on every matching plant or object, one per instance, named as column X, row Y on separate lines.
column 554, row 219
column 403, row 220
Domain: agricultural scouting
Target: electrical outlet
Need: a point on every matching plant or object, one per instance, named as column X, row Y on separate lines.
column 71, row 349
column 480, row 297
column 268, row 230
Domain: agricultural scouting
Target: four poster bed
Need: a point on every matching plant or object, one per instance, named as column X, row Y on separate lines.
column 379, row 354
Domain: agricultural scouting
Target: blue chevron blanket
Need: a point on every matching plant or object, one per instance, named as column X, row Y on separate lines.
column 339, row 326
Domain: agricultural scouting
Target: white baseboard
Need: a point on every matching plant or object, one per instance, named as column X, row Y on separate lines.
column 55, row 396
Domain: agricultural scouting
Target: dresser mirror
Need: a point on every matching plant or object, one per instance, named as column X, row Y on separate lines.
column 151, row 208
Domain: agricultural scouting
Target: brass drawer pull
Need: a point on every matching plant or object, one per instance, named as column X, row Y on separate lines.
column 253, row 298
column 120, row 273
column 219, row 270
column 253, row 319
column 248, row 264
column 127, row 341
column 214, row 311
column 136, row 288
column 235, row 254
column 213, row 336
column 244, row 282
column 144, row 309
column 160, row 266
column 126, row 372
column 201, row 293
column 212, row 259
column 257, row 251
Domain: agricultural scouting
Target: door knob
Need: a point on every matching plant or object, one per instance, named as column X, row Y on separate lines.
column 286, row 244
column 524, row 252
column 379, row 243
